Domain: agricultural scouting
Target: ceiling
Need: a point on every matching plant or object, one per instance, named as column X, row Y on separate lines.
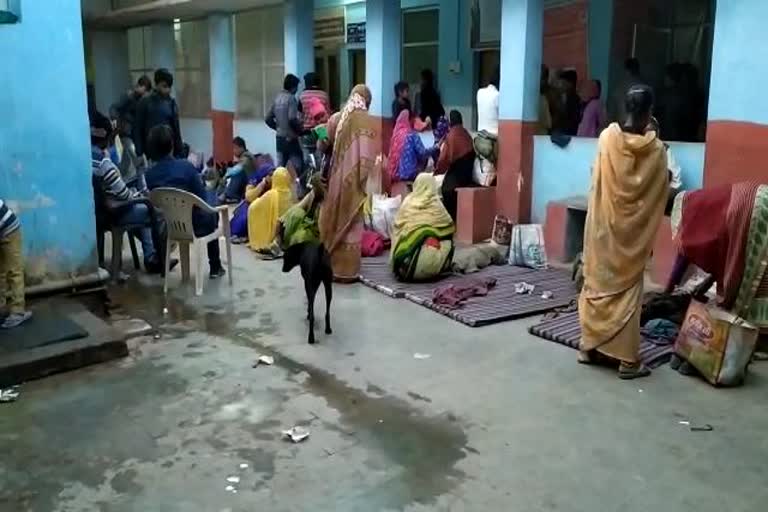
column 166, row 10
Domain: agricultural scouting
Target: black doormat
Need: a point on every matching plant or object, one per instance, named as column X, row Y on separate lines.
column 46, row 327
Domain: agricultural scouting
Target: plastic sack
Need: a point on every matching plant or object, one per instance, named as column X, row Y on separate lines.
column 717, row 343
column 502, row 230
column 383, row 212
column 527, row 246
column 484, row 172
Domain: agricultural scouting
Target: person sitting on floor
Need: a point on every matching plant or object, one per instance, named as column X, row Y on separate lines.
column 722, row 231
column 265, row 212
column 422, row 237
column 117, row 192
column 456, row 161
column 11, row 270
column 174, row 173
column 258, row 184
column 407, row 155
column 236, row 177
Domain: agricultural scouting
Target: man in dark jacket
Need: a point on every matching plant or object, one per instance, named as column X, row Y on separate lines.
column 171, row 172
column 124, row 114
column 156, row 109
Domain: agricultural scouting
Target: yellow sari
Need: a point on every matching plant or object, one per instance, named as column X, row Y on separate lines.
column 626, row 204
column 265, row 212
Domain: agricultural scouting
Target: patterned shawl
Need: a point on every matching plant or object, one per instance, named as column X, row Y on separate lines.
column 399, row 136
column 354, row 155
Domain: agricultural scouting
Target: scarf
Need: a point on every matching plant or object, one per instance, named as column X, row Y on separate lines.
column 399, row 136
column 458, row 144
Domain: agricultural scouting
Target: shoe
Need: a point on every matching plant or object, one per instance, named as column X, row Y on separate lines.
column 158, row 268
column 218, row 273
column 239, row 240
column 15, row 319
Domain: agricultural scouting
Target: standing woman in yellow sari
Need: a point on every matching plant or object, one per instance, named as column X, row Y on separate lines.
column 353, row 158
column 626, row 203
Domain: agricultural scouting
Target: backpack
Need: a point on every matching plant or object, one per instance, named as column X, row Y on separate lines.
column 315, row 111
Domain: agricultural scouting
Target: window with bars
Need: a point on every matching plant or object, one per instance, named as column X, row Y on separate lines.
column 139, row 44
column 192, row 78
column 420, row 43
column 260, row 61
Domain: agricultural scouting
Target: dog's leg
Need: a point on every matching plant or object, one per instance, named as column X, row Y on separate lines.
column 311, row 291
column 328, row 282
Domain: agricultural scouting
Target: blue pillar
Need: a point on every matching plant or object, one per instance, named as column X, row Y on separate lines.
column 299, row 37
column 221, row 48
column 383, row 50
column 163, row 46
column 522, row 25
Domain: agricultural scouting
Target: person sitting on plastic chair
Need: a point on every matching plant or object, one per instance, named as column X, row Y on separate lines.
column 180, row 174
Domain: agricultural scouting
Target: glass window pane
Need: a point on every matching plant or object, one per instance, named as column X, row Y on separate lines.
column 420, row 26
column 416, row 58
column 136, row 48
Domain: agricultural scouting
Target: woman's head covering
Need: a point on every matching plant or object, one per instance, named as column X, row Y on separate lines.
column 399, row 135
column 593, row 90
column 264, row 170
column 441, row 129
column 422, row 207
column 281, row 179
column 359, row 99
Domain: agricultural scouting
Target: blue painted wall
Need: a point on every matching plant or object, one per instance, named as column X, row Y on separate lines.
column 221, row 47
column 44, row 142
column 560, row 173
column 738, row 62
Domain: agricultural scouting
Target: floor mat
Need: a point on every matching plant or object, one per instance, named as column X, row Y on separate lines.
column 502, row 303
column 375, row 273
column 46, row 327
column 565, row 330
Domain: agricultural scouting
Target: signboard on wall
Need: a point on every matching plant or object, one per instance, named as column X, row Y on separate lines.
column 355, row 33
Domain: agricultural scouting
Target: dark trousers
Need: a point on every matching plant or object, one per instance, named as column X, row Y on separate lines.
column 289, row 150
column 204, row 225
column 458, row 176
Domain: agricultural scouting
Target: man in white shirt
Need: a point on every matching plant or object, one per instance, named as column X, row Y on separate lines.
column 488, row 106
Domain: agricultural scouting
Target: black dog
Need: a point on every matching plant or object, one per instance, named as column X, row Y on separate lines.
column 315, row 264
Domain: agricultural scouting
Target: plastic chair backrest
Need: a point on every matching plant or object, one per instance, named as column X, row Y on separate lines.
column 177, row 206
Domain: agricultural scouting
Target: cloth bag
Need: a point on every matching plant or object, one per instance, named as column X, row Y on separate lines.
column 484, row 172
column 717, row 343
column 383, row 212
column 502, row 230
column 527, row 246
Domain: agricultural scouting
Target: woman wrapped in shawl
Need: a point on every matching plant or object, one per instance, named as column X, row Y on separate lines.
column 353, row 157
column 456, row 161
column 257, row 185
column 724, row 231
column 626, row 204
column 265, row 212
column 407, row 155
column 422, row 238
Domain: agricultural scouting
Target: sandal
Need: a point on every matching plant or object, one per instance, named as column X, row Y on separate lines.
column 633, row 371
column 585, row 357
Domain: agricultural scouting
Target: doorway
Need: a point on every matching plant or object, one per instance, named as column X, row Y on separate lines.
column 327, row 68
column 357, row 66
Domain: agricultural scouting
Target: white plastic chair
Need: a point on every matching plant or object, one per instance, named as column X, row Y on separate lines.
column 177, row 206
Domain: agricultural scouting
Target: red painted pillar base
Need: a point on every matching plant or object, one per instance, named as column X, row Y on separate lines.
column 223, row 133
column 384, row 128
column 736, row 151
column 514, row 170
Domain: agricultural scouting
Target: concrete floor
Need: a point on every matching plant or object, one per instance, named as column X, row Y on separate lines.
column 494, row 420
